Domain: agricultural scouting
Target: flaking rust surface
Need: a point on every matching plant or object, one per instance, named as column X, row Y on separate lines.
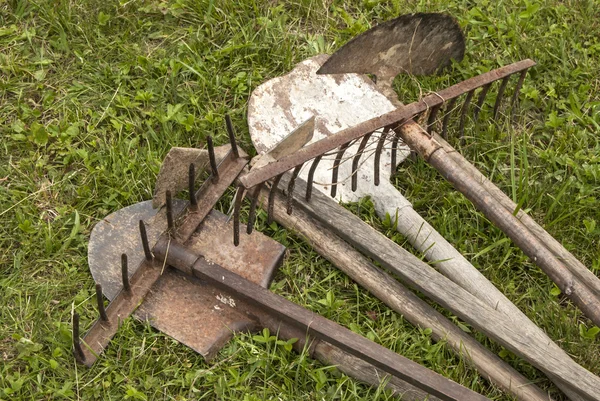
column 256, row 257
column 181, row 306
column 197, row 314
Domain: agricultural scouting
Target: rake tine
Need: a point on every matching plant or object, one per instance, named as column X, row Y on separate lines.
column 432, row 117
column 271, row 205
column 515, row 96
column 77, row 350
column 378, row 152
column 100, row 301
column 290, row 190
column 448, row 113
column 394, row 150
column 311, row 174
column 169, row 202
column 124, row 273
column 463, row 115
column 239, row 195
column 252, row 215
column 500, row 94
column 211, row 157
column 231, row 134
column 356, row 159
column 145, row 244
column 192, row 186
column 480, row 100
column 336, row 165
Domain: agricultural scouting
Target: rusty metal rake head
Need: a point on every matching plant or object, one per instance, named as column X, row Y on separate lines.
column 386, row 126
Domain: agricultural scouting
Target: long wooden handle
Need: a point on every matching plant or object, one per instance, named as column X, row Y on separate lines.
column 571, row 285
column 578, row 382
column 574, row 265
column 400, row 299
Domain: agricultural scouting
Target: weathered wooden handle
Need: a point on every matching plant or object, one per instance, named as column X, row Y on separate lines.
column 403, row 301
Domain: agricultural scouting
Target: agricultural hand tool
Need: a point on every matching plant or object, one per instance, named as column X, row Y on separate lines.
column 200, row 302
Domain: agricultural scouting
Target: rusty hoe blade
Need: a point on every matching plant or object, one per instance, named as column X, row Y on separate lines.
column 416, row 44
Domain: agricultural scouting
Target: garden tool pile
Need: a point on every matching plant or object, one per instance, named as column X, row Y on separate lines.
column 199, row 277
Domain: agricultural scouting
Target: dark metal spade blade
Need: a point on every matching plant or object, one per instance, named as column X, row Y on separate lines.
column 418, row 44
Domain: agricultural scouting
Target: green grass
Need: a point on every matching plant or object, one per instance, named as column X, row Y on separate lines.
column 94, row 93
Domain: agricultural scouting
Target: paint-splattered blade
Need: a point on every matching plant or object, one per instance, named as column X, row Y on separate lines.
column 418, row 44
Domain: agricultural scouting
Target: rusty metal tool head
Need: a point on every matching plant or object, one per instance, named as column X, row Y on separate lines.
column 122, row 262
column 416, row 44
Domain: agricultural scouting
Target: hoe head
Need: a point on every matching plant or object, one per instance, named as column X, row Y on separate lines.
column 416, row 44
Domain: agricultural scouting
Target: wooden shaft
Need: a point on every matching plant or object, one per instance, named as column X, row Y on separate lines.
column 400, row 299
column 570, row 285
column 415, row 137
column 546, row 356
column 315, row 325
column 343, row 361
column 573, row 264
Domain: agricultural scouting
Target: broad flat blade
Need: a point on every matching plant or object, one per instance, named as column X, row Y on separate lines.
column 182, row 306
column 279, row 105
column 418, row 44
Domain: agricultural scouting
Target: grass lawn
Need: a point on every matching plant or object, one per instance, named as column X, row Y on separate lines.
column 94, row 93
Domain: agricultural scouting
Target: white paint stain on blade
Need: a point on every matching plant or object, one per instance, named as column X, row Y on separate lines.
column 280, row 105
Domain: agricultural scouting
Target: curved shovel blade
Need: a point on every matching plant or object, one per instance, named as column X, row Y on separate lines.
column 418, row 44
